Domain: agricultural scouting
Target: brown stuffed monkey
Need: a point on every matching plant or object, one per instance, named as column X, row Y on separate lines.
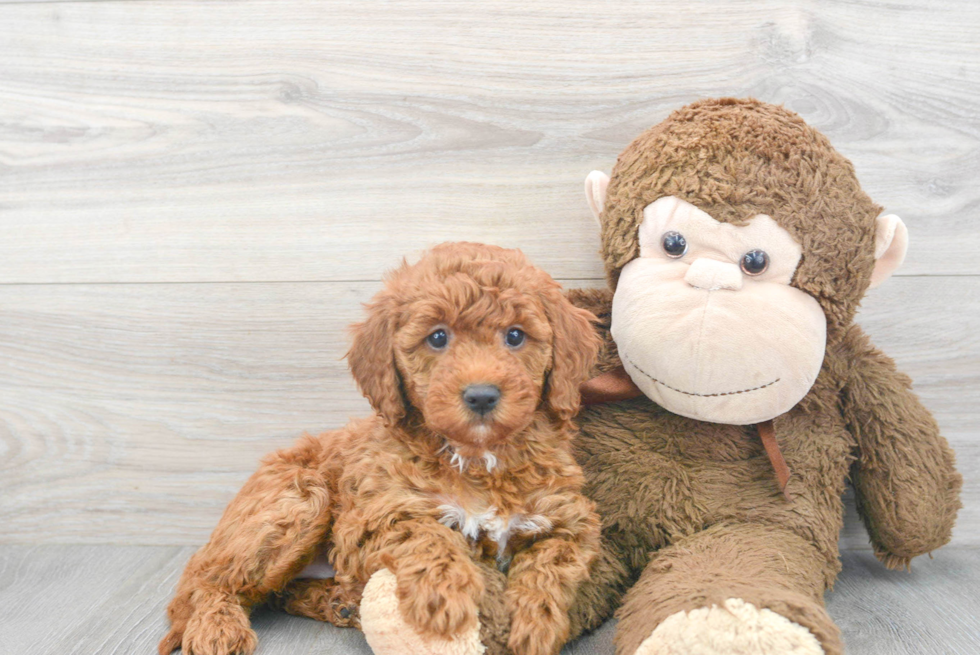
column 738, row 245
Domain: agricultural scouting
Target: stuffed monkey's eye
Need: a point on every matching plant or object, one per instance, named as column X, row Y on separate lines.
column 514, row 337
column 438, row 339
column 674, row 244
column 755, row 262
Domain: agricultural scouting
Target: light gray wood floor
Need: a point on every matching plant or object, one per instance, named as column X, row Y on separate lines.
column 109, row 600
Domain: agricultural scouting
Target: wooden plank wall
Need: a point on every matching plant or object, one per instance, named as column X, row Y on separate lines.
column 196, row 196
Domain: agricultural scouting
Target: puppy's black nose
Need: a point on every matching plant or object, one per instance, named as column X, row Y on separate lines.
column 481, row 398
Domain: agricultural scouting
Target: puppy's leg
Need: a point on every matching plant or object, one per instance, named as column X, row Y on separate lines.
column 540, row 587
column 267, row 534
column 439, row 585
column 543, row 579
column 323, row 600
column 437, row 582
column 218, row 625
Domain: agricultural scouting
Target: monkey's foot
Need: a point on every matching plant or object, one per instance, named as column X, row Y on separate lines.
column 388, row 634
column 737, row 628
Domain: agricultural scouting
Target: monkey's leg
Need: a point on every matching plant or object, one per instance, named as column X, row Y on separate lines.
column 733, row 588
column 267, row 534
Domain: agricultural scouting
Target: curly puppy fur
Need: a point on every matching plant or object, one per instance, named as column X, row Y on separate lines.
column 426, row 487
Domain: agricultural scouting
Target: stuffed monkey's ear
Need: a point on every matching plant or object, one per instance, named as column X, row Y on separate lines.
column 574, row 348
column 891, row 244
column 372, row 361
column 596, row 184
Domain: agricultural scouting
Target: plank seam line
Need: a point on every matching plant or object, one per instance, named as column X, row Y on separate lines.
column 345, row 281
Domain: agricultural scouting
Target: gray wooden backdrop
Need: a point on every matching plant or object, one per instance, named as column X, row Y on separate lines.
column 195, row 198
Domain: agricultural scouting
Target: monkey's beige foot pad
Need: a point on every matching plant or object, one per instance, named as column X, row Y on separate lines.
column 388, row 634
column 737, row 628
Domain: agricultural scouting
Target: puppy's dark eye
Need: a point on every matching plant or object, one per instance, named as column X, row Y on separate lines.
column 674, row 244
column 755, row 262
column 515, row 337
column 438, row 339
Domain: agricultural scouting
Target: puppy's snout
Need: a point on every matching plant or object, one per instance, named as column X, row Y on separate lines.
column 481, row 398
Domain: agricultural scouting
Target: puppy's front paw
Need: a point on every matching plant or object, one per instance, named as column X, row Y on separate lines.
column 388, row 634
column 220, row 628
column 440, row 599
column 537, row 625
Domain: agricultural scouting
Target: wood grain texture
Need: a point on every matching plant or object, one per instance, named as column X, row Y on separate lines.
column 933, row 609
column 110, row 600
column 132, row 413
column 294, row 149
column 293, row 140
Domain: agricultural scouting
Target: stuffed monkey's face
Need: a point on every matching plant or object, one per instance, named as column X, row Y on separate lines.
column 706, row 321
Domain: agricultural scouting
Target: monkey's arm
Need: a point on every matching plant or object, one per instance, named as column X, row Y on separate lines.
column 906, row 482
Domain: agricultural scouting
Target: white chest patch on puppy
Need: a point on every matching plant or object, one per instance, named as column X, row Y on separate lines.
column 487, row 522
column 456, row 517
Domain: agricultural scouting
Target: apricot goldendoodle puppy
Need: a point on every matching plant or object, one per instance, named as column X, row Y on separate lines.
column 472, row 360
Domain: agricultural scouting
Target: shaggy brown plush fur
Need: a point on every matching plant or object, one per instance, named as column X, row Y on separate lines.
column 691, row 511
column 382, row 492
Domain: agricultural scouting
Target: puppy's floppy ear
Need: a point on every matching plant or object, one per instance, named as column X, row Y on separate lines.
column 372, row 360
column 575, row 348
